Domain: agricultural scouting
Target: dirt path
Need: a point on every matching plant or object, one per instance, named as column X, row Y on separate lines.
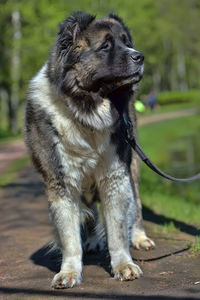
column 167, row 116
column 170, row 271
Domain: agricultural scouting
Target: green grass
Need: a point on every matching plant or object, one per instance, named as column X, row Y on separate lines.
column 166, row 228
column 171, row 97
column 5, row 133
column 157, row 138
column 174, row 200
column 12, row 171
column 195, row 247
column 175, row 107
column 169, row 107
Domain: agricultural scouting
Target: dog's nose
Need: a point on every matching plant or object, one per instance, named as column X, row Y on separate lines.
column 137, row 57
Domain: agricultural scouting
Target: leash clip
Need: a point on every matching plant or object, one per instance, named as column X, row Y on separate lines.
column 129, row 129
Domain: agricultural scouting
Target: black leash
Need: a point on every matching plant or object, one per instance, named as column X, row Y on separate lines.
column 132, row 141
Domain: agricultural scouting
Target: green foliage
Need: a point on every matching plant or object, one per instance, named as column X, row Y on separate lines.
column 165, row 31
column 175, row 97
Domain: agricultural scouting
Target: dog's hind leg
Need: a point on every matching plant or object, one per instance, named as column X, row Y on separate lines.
column 65, row 214
column 139, row 238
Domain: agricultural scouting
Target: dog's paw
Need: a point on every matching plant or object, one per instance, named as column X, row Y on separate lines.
column 127, row 271
column 64, row 280
column 141, row 241
column 145, row 244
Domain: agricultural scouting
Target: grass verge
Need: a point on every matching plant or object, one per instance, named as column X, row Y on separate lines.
column 173, row 200
column 12, row 171
column 195, row 247
column 5, row 141
column 166, row 228
column 168, row 108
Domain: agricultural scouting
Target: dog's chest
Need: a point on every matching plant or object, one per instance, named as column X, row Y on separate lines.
column 81, row 148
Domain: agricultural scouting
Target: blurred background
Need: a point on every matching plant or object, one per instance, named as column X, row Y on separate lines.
column 167, row 32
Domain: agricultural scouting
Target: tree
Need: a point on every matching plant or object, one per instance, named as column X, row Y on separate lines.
column 166, row 31
column 15, row 70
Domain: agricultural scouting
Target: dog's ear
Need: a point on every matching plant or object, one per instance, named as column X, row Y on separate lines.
column 71, row 27
column 117, row 18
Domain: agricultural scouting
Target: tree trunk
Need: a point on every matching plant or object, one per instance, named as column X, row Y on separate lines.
column 15, row 72
column 181, row 70
column 3, row 106
column 156, row 80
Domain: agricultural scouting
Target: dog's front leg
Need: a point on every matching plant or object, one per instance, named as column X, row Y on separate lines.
column 117, row 196
column 65, row 214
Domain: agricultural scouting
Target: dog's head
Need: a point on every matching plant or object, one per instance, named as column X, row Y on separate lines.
column 94, row 57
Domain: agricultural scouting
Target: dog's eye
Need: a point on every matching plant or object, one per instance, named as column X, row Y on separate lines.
column 106, row 46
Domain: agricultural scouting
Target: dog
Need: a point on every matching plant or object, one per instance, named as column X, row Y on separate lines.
column 73, row 124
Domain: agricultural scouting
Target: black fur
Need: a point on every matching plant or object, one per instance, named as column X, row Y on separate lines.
column 38, row 118
column 117, row 18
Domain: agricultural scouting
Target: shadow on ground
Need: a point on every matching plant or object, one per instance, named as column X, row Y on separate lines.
column 150, row 215
column 86, row 295
column 52, row 260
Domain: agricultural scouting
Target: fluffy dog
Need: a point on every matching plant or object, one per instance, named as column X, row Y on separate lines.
column 72, row 129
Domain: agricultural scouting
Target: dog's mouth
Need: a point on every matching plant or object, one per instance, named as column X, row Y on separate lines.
column 130, row 79
column 109, row 86
column 113, row 81
column 106, row 86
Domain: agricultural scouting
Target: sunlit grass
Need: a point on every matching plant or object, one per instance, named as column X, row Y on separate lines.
column 195, row 247
column 6, row 140
column 12, row 171
column 175, row 200
column 166, row 228
column 168, row 108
